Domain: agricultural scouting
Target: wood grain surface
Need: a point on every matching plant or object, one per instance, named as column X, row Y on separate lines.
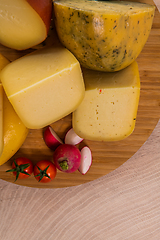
column 107, row 156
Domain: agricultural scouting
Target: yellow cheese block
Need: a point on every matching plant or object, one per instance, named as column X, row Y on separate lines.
column 3, row 63
column 12, row 132
column 103, row 35
column 21, row 26
column 44, row 86
column 1, row 119
column 108, row 111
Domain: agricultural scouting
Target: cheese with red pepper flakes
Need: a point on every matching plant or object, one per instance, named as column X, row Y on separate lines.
column 103, row 35
column 109, row 109
column 44, row 86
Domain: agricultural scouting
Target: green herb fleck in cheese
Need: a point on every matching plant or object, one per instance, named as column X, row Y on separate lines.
column 103, row 35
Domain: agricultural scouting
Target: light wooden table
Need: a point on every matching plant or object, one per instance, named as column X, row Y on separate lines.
column 123, row 204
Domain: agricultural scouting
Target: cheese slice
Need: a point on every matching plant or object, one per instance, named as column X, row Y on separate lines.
column 103, row 35
column 44, row 86
column 21, row 26
column 109, row 109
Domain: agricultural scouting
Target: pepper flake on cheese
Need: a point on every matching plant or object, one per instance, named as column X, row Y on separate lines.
column 109, row 109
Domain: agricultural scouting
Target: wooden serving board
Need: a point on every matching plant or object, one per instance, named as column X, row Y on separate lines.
column 107, row 156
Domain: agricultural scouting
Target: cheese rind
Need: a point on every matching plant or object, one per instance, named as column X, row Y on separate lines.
column 21, row 26
column 3, row 62
column 44, row 86
column 108, row 111
column 103, row 35
column 1, row 119
column 13, row 131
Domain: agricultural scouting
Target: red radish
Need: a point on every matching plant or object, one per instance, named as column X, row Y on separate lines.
column 67, row 158
column 72, row 138
column 51, row 138
column 86, row 160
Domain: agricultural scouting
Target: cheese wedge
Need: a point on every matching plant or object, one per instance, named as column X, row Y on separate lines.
column 21, row 26
column 103, row 35
column 1, row 119
column 13, row 132
column 109, row 109
column 3, row 63
column 44, row 86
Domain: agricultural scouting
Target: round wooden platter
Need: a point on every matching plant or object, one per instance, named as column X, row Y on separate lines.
column 107, row 156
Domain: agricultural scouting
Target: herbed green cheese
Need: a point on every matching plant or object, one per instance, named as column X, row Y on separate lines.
column 103, row 35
